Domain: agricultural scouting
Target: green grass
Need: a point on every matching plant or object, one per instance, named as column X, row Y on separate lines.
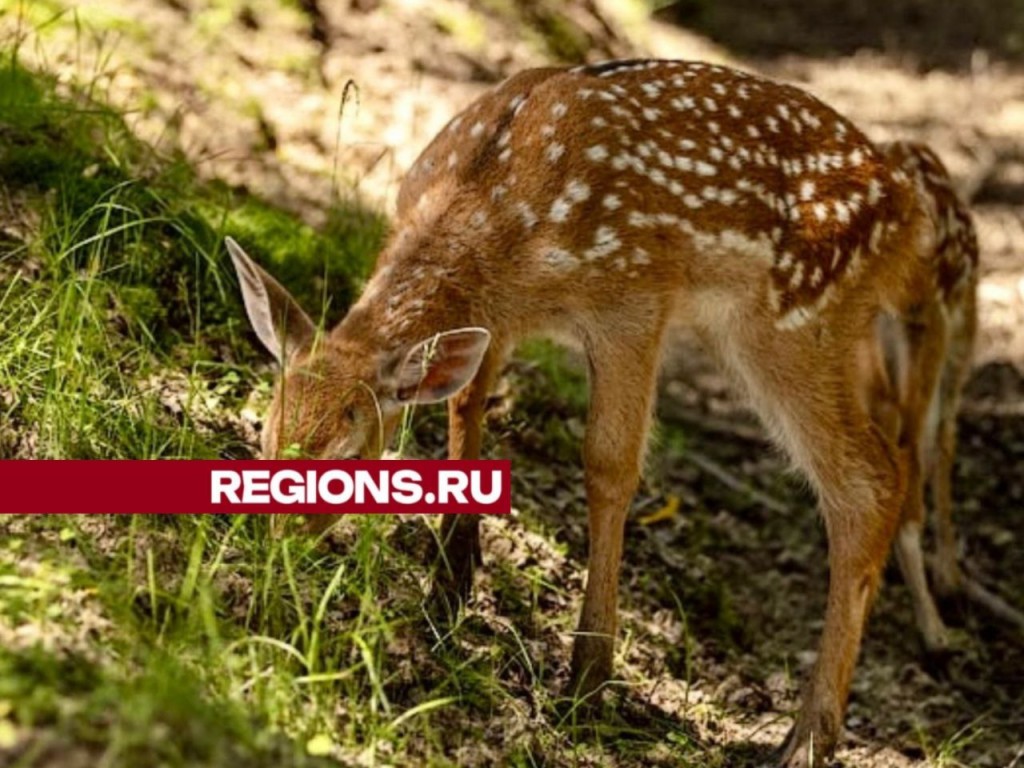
column 123, row 276
column 121, row 335
column 200, row 641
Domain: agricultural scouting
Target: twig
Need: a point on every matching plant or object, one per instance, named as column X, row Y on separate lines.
column 747, row 432
column 726, row 478
column 992, row 602
column 1017, row 757
column 973, row 590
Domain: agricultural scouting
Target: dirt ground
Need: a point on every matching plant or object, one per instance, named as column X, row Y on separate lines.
column 252, row 93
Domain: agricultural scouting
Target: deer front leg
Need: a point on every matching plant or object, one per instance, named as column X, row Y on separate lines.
column 622, row 384
column 460, row 534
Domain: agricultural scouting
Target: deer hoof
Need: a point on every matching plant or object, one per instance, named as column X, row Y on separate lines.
column 810, row 746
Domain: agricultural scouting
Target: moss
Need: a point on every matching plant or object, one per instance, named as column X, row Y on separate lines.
column 563, row 39
column 322, row 269
column 464, row 25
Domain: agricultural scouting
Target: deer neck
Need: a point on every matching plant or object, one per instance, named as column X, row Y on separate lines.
column 413, row 296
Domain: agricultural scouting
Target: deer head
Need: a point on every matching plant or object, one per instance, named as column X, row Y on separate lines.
column 339, row 395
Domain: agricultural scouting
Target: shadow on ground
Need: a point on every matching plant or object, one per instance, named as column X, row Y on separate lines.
column 947, row 34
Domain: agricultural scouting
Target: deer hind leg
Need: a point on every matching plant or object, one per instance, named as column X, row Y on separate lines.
column 623, row 370
column 460, row 534
column 812, row 398
column 946, row 573
column 916, row 378
column 963, row 323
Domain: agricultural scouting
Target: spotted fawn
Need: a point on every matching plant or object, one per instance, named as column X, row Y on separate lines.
column 607, row 205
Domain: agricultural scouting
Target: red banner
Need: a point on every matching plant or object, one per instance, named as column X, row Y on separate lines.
column 296, row 487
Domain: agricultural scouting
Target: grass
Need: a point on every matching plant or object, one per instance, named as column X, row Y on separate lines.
column 120, row 336
column 123, row 276
column 197, row 641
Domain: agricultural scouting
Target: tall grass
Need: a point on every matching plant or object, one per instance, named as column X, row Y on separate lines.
column 121, row 337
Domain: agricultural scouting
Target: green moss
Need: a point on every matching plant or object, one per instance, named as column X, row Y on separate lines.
column 563, row 39
column 322, row 269
column 464, row 25
column 567, row 382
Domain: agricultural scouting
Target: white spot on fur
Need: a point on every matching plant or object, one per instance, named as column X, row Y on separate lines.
column 606, row 241
column 560, row 258
column 577, row 191
column 560, row 210
column 597, row 153
column 874, row 192
column 527, row 215
column 554, row 152
column 797, row 278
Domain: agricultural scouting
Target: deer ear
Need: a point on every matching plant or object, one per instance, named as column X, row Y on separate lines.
column 276, row 317
column 436, row 368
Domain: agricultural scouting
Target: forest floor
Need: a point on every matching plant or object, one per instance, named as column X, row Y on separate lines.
column 134, row 136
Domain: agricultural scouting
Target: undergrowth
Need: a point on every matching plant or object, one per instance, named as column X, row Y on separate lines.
column 203, row 641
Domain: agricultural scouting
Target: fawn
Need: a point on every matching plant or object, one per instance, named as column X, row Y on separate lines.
column 606, row 204
column 929, row 353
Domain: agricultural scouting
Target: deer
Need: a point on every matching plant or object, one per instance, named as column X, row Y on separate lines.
column 610, row 205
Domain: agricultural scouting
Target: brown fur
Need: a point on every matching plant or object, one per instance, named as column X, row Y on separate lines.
column 607, row 204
